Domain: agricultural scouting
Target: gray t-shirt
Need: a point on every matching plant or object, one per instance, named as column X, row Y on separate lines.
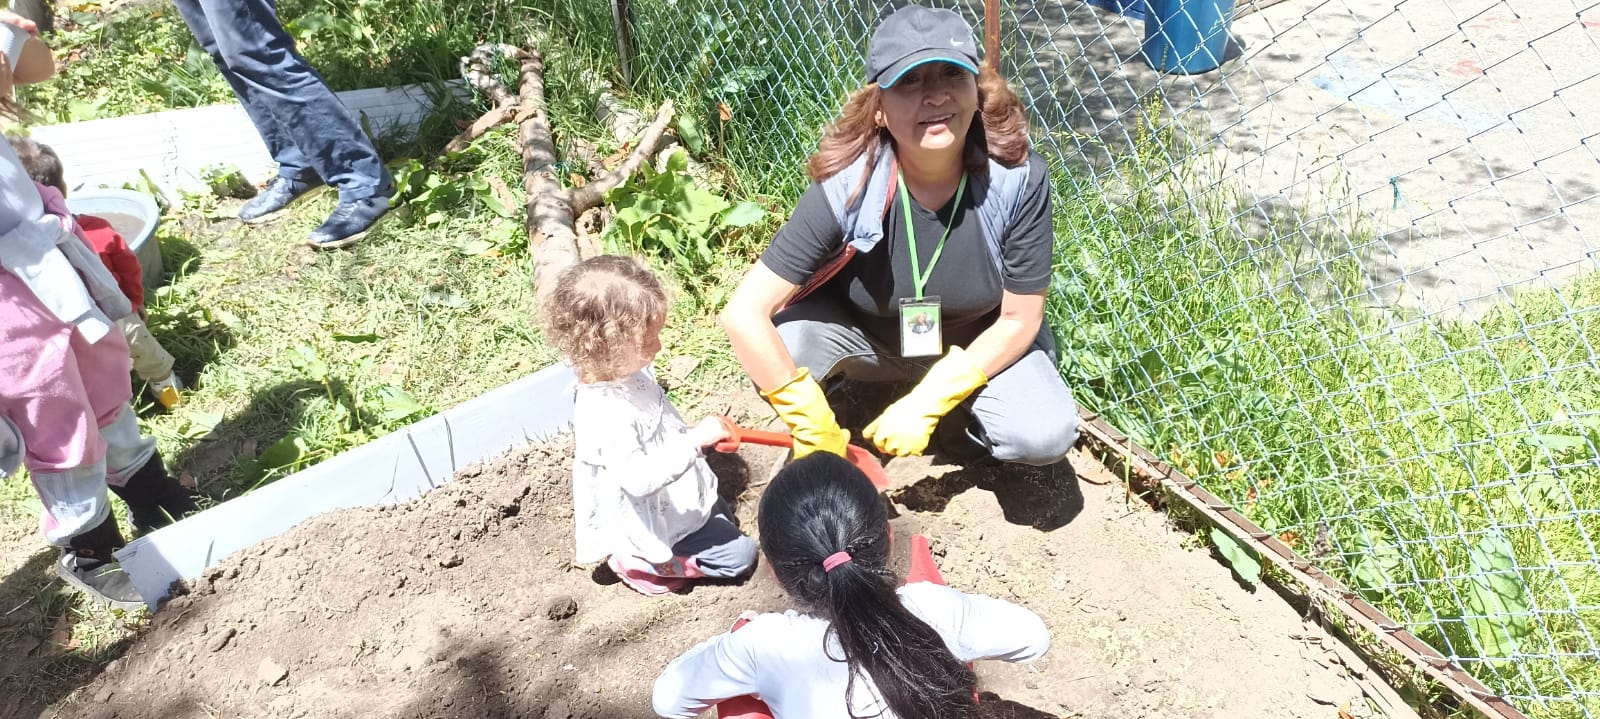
column 965, row 279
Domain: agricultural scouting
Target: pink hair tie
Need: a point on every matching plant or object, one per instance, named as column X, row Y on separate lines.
column 834, row 560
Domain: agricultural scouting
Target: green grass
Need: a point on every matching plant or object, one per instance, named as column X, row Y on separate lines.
column 1444, row 468
column 294, row 355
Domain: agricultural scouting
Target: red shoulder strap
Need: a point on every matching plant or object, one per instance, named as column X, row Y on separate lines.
column 838, row 261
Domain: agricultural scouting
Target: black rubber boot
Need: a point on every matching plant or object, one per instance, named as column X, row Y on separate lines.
column 154, row 498
column 89, row 565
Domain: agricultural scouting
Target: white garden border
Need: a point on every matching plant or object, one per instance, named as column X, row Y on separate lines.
column 395, row 468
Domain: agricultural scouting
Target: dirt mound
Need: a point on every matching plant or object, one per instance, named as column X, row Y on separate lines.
column 464, row 604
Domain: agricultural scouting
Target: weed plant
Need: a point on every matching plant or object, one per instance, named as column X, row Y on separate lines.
column 1445, row 469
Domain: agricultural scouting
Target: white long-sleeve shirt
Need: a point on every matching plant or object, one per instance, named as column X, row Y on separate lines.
column 780, row 658
column 638, row 483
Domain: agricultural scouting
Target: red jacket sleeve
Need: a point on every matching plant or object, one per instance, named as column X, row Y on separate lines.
column 114, row 252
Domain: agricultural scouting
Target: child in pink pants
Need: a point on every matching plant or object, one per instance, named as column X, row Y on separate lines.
column 64, row 384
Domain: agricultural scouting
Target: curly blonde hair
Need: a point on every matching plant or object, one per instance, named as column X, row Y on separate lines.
column 600, row 313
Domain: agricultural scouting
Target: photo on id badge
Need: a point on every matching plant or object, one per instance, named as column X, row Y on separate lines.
column 920, row 334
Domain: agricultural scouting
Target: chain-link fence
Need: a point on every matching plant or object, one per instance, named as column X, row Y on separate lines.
column 1341, row 281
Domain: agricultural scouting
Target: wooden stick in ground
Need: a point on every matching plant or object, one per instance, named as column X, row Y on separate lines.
column 475, row 68
column 551, row 238
column 551, row 211
column 592, row 194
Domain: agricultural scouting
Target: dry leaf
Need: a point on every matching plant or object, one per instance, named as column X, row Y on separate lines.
column 576, row 180
column 724, row 112
column 186, row 480
column 61, row 637
column 616, row 158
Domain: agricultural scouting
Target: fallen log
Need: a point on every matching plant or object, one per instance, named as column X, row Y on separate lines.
column 551, row 211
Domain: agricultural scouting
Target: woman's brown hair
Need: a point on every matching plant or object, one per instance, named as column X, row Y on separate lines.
column 1001, row 133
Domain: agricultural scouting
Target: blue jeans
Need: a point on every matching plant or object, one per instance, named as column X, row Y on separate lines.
column 309, row 132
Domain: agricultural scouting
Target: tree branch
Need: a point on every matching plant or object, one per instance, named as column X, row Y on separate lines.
column 592, row 194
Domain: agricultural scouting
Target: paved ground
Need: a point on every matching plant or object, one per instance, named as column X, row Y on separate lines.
column 1485, row 117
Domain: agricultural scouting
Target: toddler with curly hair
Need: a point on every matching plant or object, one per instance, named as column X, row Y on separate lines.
column 644, row 499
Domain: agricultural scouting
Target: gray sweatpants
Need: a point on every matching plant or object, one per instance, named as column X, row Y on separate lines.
column 718, row 547
column 1026, row 412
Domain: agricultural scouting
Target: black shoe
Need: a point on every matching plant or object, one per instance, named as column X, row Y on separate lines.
column 88, row 565
column 154, row 498
column 278, row 194
column 349, row 223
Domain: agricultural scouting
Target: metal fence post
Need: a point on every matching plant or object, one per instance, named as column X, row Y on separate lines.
column 624, row 24
column 991, row 34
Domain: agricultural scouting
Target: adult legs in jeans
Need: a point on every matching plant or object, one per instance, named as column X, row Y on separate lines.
column 305, row 127
column 1025, row 414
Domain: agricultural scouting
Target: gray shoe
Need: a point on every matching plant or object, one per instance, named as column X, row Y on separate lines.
column 279, row 194
column 100, row 579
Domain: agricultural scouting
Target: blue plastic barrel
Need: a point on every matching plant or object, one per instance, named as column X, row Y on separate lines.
column 1186, row 36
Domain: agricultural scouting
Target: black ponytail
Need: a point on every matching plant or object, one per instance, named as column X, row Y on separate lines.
column 821, row 505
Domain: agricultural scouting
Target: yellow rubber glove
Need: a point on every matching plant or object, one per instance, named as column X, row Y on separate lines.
column 904, row 427
column 803, row 407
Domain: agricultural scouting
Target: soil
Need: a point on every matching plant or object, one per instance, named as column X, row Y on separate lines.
column 464, row 604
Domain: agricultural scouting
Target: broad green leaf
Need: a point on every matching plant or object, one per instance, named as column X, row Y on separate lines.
column 200, row 424
column 395, row 404
column 1377, row 568
column 306, row 361
column 689, row 132
column 475, row 247
column 743, row 214
column 283, row 453
column 1555, row 442
column 492, row 201
column 1543, row 495
column 1497, row 599
column 632, row 216
column 678, row 161
column 1241, row 558
column 699, row 208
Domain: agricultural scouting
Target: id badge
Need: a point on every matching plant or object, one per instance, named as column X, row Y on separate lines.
column 921, row 328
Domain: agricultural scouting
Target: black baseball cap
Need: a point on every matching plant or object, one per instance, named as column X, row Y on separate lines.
column 916, row 35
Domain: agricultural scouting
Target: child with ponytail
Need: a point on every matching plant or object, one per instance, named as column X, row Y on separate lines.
column 861, row 645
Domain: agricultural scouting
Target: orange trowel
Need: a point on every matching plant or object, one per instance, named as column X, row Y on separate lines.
column 858, row 456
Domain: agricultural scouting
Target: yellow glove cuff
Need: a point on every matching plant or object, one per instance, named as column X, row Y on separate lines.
column 803, row 406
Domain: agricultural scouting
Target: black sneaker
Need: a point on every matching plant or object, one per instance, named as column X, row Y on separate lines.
column 278, row 195
column 101, row 579
column 349, row 223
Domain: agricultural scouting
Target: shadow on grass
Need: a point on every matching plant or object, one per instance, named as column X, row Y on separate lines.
column 229, row 460
column 37, row 613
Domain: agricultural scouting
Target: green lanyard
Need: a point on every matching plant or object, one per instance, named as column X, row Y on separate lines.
column 919, row 279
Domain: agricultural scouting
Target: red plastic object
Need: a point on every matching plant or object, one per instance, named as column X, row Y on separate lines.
column 858, row 456
column 922, row 570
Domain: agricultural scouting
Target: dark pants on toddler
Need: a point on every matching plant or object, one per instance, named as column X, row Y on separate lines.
column 719, row 548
